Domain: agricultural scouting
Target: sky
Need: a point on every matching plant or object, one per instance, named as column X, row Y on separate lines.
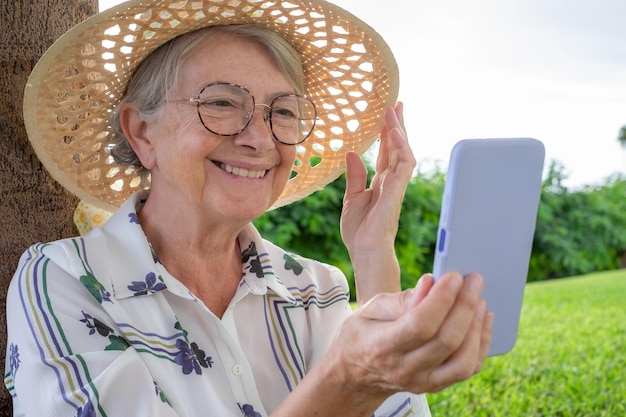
column 554, row 70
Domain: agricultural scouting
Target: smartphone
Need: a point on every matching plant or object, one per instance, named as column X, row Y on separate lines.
column 487, row 223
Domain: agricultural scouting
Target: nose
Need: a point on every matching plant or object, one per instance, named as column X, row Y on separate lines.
column 258, row 133
column 266, row 112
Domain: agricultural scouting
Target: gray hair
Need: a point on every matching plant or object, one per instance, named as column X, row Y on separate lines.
column 150, row 85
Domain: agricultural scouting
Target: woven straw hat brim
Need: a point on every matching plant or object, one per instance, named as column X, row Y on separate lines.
column 350, row 73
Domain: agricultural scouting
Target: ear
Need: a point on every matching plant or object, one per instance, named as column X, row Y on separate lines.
column 135, row 128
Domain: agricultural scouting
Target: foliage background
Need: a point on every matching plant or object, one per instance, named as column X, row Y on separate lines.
column 578, row 231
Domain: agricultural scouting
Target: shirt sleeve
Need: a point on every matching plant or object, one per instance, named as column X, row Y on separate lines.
column 65, row 356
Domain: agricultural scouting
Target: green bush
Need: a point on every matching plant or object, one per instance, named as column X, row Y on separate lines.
column 578, row 231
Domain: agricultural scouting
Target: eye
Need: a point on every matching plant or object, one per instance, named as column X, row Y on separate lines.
column 224, row 100
column 221, row 107
column 220, row 103
column 284, row 113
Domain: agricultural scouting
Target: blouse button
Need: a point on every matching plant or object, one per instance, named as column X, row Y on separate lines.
column 237, row 369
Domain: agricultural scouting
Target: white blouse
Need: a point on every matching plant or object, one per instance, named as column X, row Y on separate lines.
column 98, row 327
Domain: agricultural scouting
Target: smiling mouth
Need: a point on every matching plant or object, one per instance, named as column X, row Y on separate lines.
column 243, row 172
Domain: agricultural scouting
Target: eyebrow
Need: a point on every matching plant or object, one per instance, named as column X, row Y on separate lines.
column 273, row 95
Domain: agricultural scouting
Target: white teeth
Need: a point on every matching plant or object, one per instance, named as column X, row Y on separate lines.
column 242, row 172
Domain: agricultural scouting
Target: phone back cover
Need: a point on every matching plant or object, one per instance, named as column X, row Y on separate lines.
column 487, row 223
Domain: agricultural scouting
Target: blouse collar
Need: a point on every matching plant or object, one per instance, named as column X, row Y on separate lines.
column 139, row 273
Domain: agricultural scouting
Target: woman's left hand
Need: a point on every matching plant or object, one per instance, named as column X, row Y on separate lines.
column 369, row 220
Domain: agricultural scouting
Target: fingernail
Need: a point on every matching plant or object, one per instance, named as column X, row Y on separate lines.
column 475, row 283
column 420, row 282
column 456, row 281
column 481, row 310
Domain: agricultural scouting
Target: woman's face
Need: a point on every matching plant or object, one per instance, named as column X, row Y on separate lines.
column 234, row 177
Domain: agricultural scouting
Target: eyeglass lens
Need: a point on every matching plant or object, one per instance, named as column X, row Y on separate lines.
column 226, row 109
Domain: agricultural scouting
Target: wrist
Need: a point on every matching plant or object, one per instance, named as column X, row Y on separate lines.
column 343, row 392
column 375, row 273
column 355, row 381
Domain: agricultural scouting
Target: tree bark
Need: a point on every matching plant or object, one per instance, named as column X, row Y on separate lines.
column 33, row 207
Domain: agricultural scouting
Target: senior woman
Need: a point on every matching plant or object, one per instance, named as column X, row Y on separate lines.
column 197, row 125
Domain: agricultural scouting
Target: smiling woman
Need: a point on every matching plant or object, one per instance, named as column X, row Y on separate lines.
column 189, row 120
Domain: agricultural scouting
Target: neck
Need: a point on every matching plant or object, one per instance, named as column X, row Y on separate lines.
column 204, row 255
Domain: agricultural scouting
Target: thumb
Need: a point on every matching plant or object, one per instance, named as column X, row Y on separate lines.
column 356, row 174
column 389, row 306
column 424, row 284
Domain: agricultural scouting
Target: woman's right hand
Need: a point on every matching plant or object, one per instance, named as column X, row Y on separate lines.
column 420, row 340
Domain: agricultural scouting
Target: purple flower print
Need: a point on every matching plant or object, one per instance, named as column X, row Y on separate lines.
column 187, row 358
column 203, row 360
column 95, row 325
column 14, row 358
column 133, row 218
column 191, row 358
column 248, row 411
column 149, row 286
column 87, row 411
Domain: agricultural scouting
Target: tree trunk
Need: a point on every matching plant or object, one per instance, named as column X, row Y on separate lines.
column 33, row 207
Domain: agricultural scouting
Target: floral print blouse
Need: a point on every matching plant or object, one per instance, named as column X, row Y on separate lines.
column 98, row 327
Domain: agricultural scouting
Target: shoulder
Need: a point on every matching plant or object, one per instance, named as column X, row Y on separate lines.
column 70, row 255
column 65, row 253
column 55, row 264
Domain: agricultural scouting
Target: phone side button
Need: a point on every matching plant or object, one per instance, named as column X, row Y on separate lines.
column 442, row 239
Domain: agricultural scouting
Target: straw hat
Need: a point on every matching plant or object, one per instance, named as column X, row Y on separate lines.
column 350, row 74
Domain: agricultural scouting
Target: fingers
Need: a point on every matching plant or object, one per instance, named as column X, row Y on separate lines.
column 459, row 319
column 399, row 156
column 393, row 139
column 468, row 358
column 394, row 157
column 384, row 307
column 388, row 306
column 424, row 285
column 420, row 340
column 485, row 340
column 424, row 322
column 394, row 118
column 399, row 108
column 382, row 161
column 451, row 336
column 356, row 174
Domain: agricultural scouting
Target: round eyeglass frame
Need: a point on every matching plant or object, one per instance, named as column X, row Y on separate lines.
column 248, row 117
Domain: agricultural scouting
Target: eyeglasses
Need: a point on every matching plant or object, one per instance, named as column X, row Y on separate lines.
column 226, row 110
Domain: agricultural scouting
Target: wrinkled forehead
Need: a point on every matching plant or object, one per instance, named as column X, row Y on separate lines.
column 230, row 58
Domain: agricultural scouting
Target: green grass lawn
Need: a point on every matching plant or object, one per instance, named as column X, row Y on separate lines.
column 569, row 360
